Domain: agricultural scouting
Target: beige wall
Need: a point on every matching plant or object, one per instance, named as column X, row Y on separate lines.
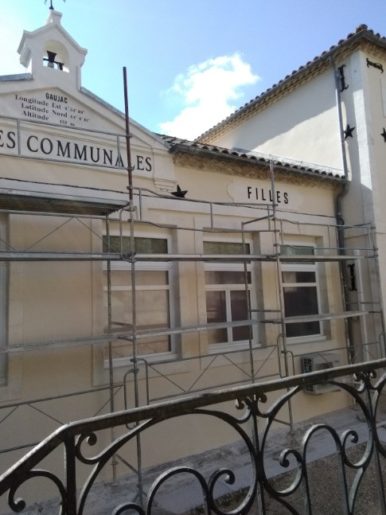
column 64, row 301
column 300, row 125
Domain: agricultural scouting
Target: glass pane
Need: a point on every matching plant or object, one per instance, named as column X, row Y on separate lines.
column 151, row 245
column 302, row 329
column 152, row 346
column 239, row 309
column 222, row 277
column 115, row 243
column 225, row 247
column 216, row 312
column 297, row 250
column 239, row 305
column 300, row 301
column 215, row 306
column 142, row 245
column 299, row 277
column 217, row 336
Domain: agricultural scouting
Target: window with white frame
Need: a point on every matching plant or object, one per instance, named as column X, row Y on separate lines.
column 152, row 295
column 300, row 291
column 226, row 294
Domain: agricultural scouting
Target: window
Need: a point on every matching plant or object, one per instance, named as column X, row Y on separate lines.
column 300, row 291
column 226, row 298
column 56, row 56
column 152, row 295
column 142, row 245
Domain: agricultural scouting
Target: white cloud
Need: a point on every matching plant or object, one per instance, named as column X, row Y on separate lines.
column 209, row 91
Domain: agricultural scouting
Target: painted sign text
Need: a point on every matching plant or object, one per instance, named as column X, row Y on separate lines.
column 267, row 195
column 62, row 149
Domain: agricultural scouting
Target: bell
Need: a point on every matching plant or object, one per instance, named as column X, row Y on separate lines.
column 51, row 59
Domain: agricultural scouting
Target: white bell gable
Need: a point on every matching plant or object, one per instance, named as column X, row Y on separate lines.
column 51, row 54
column 48, row 117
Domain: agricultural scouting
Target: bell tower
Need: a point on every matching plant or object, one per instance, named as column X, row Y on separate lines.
column 51, row 54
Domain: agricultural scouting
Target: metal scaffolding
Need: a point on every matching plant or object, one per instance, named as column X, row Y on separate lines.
column 126, row 211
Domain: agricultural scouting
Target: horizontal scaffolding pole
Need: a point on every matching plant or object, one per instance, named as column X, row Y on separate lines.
column 20, row 255
column 120, row 335
column 317, row 317
column 143, row 334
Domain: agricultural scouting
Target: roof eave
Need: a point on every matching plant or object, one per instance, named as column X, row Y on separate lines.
column 298, row 76
column 252, row 160
column 16, row 77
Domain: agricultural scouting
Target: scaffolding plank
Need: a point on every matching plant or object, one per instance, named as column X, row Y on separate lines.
column 70, row 205
column 18, row 195
column 226, row 258
column 319, row 258
column 317, row 317
column 58, row 256
column 240, row 257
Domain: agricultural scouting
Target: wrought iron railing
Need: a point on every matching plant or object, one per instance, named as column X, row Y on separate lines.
column 306, row 479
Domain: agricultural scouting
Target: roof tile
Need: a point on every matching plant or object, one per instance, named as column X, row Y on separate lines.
column 183, row 145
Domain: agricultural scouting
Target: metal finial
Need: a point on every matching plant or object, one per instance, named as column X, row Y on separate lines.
column 51, row 5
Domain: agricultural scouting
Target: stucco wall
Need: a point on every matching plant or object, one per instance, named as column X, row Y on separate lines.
column 300, row 125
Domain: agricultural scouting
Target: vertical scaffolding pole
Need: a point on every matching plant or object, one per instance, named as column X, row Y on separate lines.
column 371, row 238
column 280, row 286
column 249, row 309
column 110, row 344
column 132, row 276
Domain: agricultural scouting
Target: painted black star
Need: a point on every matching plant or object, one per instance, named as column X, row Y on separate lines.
column 348, row 131
column 179, row 193
column 383, row 134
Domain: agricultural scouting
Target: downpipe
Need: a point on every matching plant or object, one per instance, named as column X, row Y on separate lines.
column 339, row 216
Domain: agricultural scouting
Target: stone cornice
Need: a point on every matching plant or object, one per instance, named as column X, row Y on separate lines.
column 218, row 164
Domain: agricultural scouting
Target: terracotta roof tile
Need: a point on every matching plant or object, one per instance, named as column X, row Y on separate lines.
column 195, row 147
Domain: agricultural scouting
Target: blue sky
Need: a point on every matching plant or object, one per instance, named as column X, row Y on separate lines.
column 190, row 63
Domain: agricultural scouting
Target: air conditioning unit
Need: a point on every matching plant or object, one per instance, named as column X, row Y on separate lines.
column 315, row 362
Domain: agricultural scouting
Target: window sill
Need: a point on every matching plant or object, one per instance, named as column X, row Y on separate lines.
column 293, row 340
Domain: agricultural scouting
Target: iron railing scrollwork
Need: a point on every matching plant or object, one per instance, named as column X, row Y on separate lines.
column 254, row 424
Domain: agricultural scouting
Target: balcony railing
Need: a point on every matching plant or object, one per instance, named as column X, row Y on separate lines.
column 320, row 467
